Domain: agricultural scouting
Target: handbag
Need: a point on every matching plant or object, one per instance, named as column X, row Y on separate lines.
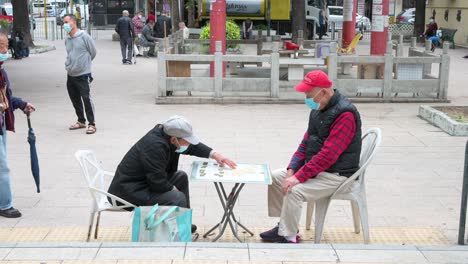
column 162, row 224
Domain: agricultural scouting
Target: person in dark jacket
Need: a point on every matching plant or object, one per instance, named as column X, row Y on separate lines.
column 124, row 27
column 147, row 39
column 148, row 174
column 8, row 103
column 162, row 20
column 328, row 154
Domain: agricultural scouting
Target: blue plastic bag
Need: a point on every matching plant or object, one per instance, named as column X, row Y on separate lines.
column 162, row 224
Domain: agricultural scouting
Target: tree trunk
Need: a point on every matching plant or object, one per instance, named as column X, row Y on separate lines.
column 190, row 5
column 175, row 15
column 297, row 17
column 420, row 18
column 21, row 20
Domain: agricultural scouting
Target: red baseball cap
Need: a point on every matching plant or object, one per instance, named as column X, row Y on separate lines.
column 314, row 79
column 151, row 17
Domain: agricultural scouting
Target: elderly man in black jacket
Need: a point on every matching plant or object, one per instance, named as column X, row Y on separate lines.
column 124, row 27
column 148, row 173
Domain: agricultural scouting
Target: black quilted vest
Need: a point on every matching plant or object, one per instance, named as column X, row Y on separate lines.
column 320, row 123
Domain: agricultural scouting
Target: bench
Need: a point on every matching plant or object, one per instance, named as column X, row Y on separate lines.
column 288, row 53
column 448, row 34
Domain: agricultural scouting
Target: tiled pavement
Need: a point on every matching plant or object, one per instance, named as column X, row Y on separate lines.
column 414, row 183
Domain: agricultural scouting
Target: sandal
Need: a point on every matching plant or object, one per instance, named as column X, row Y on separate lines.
column 77, row 125
column 91, row 129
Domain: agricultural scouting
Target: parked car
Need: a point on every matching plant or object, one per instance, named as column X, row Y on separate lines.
column 405, row 17
column 7, row 14
column 84, row 13
column 335, row 15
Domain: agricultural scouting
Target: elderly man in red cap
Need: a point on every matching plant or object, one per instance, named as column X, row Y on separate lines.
column 147, row 39
column 328, row 154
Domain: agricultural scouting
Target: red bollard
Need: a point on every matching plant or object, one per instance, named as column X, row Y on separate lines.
column 217, row 30
column 379, row 34
column 349, row 22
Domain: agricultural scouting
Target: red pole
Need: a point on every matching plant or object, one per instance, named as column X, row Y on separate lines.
column 349, row 22
column 379, row 34
column 217, row 30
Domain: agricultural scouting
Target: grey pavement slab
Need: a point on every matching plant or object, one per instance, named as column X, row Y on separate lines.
column 215, row 253
column 4, row 252
column 390, row 256
column 52, row 254
column 446, row 256
column 159, row 253
column 259, row 254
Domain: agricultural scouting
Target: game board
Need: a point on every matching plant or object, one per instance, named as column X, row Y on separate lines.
column 244, row 173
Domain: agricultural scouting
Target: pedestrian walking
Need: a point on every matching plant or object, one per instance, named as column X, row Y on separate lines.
column 8, row 103
column 125, row 29
column 80, row 53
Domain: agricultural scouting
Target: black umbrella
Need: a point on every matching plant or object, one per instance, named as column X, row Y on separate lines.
column 33, row 152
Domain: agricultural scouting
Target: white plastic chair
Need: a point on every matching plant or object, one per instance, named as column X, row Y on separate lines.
column 353, row 189
column 94, row 176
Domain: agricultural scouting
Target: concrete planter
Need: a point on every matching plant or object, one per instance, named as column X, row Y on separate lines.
column 443, row 121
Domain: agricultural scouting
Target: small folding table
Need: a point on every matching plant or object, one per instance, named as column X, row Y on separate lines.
column 204, row 171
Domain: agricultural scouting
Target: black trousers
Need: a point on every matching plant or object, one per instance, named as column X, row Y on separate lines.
column 126, row 48
column 179, row 198
column 78, row 90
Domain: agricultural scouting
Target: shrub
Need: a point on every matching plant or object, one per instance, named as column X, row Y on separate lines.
column 232, row 32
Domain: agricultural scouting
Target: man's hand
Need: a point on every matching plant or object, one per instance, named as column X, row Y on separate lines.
column 290, row 173
column 288, row 184
column 223, row 161
column 29, row 108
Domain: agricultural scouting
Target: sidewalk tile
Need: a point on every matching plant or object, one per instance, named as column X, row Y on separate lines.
column 292, row 255
column 88, row 262
column 392, row 256
column 143, row 245
column 52, row 254
column 31, row 262
column 201, row 253
column 446, row 256
column 144, row 262
column 199, row 262
column 140, row 253
column 4, row 252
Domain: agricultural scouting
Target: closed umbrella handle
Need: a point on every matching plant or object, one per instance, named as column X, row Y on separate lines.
column 29, row 121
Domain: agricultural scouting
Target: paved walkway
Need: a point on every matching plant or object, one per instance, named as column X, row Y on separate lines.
column 414, row 181
column 227, row 253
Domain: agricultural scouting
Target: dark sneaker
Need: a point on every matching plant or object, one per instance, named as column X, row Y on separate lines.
column 271, row 235
column 285, row 241
column 10, row 213
column 194, row 228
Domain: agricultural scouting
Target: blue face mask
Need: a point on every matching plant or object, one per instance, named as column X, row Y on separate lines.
column 67, row 28
column 3, row 56
column 181, row 148
column 312, row 104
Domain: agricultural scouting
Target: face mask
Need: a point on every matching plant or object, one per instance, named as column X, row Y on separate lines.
column 139, row 16
column 181, row 148
column 67, row 28
column 312, row 104
column 431, row 21
column 3, row 57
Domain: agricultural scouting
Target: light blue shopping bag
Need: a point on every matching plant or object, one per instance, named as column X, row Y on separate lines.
column 162, row 224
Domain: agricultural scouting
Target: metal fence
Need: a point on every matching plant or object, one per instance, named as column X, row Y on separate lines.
column 51, row 30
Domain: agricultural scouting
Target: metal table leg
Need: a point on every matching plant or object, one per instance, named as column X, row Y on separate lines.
column 228, row 203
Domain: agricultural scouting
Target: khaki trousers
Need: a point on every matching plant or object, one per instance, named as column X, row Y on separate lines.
column 289, row 207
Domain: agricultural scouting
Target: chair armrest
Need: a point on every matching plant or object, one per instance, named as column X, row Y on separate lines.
column 114, row 199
